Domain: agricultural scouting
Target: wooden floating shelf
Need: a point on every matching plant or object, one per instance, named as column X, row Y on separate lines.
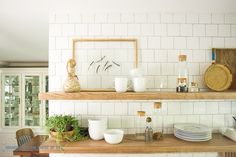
column 136, row 96
column 168, row 144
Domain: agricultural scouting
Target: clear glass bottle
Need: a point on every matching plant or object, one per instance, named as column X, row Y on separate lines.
column 159, row 130
column 193, row 87
column 182, row 80
column 148, row 130
column 140, row 125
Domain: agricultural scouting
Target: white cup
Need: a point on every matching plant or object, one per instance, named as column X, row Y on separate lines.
column 121, row 84
column 97, row 128
column 139, row 84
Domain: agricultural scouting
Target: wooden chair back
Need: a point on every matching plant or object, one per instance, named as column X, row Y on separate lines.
column 24, row 135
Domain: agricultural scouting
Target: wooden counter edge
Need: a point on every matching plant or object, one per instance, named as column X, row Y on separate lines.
column 144, row 148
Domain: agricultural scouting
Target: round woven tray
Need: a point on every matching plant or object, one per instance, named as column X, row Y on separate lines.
column 218, row 77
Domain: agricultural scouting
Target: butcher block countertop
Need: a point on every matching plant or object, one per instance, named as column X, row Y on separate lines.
column 169, row 143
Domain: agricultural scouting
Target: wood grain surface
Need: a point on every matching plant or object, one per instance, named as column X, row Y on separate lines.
column 136, row 96
column 227, row 57
column 168, row 144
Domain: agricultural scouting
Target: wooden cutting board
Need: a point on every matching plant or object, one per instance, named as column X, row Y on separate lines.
column 227, row 57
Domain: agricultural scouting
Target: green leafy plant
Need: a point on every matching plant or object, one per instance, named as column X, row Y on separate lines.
column 62, row 124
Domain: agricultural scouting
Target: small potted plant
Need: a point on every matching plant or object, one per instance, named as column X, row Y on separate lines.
column 63, row 128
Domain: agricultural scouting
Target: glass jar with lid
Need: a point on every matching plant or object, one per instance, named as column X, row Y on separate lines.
column 182, row 79
column 140, row 123
column 193, row 87
column 157, row 118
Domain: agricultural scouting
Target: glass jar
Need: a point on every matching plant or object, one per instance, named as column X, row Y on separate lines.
column 193, row 87
column 182, row 79
column 157, row 118
column 140, row 125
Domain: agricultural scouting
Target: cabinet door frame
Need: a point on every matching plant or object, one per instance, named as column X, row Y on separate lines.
column 43, row 103
column 39, row 74
column 3, row 99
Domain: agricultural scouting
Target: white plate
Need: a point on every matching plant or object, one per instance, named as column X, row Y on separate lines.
column 187, row 135
column 193, row 140
column 193, row 133
column 192, row 128
column 194, row 136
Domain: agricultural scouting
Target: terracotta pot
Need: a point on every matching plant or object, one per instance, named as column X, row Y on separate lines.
column 61, row 137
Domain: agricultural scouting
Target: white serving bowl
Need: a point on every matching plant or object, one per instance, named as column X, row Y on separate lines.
column 113, row 136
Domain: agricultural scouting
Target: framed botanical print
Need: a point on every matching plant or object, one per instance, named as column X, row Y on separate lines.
column 100, row 60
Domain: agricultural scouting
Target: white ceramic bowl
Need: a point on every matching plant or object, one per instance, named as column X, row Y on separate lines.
column 97, row 128
column 113, row 136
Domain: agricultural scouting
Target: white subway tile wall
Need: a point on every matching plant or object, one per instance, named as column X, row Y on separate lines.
column 161, row 38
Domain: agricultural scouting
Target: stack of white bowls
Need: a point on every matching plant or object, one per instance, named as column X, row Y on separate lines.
column 97, row 128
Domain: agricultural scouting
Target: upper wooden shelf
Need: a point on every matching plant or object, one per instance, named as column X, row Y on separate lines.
column 136, row 96
column 168, row 144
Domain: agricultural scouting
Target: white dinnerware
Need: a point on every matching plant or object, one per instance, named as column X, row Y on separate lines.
column 97, row 128
column 192, row 132
column 121, row 84
column 139, row 84
column 113, row 136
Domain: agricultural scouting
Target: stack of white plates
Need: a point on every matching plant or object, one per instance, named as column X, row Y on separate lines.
column 192, row 132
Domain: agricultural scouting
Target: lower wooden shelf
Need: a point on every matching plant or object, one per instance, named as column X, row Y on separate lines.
column 170, row 143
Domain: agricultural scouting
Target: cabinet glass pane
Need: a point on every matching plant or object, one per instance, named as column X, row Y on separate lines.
column 11, row 100
column 32, row 104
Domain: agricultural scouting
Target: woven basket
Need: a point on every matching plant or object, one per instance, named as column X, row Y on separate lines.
column 218, row 77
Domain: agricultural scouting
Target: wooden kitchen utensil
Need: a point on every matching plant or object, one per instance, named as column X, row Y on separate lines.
column 218, row 77
column 227, row 56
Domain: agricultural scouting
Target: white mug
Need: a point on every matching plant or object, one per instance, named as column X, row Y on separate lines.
column 97, row 128
column 139, row 84
column 121, row 84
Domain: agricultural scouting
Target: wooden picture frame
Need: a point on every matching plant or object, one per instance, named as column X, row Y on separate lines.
column 129, row 40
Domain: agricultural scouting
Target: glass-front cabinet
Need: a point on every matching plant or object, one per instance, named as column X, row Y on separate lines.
column 11, row 96
column 32, row 104
column 20, row 104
